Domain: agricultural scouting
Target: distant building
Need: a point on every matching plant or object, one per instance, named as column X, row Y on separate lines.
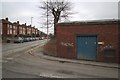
column 29, row 30
column 11, row 30
column 15, row 29
column 23, row 29
column 7, row 28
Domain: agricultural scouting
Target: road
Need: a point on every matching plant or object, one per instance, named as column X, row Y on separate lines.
column 29, row 64
column 8, row 48
column 11, row 50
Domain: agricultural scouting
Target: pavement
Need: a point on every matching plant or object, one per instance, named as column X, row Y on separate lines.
column 63, row 60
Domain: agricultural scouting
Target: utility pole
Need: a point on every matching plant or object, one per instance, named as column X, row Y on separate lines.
column 47, row 20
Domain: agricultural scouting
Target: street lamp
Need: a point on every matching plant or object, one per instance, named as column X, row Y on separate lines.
column 31, row 26
column 31, row 20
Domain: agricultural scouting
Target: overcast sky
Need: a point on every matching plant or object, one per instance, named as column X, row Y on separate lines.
column 23, row 10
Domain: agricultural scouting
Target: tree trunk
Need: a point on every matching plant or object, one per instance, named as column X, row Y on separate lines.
column 55, row 27
column 56, row 19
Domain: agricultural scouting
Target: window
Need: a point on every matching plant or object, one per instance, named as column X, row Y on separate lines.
column 20, row 30
column 15, row 30
column 10, row 26
column 13, row 27
column 23, row 30
column 8, row 29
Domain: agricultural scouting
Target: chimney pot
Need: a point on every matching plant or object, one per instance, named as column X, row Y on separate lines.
column 18, row 22
column 7, row 19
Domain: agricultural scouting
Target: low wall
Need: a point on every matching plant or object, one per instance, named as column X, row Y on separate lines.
column 50, row 48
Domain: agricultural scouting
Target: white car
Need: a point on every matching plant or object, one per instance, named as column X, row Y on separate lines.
column 26, row 39
column 18, row 40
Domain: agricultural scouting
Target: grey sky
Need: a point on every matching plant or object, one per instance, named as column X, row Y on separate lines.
column 96, row 10
column 84, row 10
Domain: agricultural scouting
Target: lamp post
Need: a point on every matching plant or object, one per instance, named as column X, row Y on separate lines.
column 31, row 21
column 31, row 26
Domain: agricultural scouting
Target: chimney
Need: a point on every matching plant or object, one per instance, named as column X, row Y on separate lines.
column 25, row 24
column 17, row 22
column 7, row 19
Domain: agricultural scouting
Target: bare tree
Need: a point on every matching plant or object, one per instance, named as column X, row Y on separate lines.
column 56, row 10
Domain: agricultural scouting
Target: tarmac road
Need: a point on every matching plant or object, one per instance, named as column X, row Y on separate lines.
column 11, row 50
column 8, row 48
column 30, row 64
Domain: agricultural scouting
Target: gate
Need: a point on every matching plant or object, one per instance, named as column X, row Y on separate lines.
column 86, row 47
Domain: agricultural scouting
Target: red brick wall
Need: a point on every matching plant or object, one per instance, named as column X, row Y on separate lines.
column 4, row 29
column 19, row 30
column 119, row 30
column 108, row 33
column 50, row 49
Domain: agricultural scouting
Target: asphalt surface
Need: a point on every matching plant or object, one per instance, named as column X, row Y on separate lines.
column 11, row 50
column 8, row 48
column 29, row 64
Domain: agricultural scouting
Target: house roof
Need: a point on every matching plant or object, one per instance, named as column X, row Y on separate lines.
column 106, row 21
column 5, row 21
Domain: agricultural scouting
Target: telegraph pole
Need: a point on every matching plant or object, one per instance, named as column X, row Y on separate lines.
column 47, row 20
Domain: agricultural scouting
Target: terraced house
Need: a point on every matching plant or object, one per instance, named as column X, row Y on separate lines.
column 11, row 30
column 28, row 31
column 7, row 30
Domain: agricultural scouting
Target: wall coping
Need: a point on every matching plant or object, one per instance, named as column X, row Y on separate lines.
column 111, row 21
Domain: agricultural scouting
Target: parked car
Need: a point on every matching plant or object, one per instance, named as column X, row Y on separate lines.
column 31, row 39
column 37, row 38
column 43, row 37
column 18, row 40
column 26, row 39
column 40, row 38
column 8, row 40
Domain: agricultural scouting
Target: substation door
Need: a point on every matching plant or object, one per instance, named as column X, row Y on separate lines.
column 86, row 47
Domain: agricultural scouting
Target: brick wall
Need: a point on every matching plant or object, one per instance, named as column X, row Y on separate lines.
column 10, row 30
column 107, row 32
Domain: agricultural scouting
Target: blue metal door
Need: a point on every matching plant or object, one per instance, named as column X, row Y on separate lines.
column 86, row 47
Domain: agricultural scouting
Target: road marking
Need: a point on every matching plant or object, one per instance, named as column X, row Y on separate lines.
column 4, row 61
column 7, row 59
column 49, row 75
column 10, row 58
